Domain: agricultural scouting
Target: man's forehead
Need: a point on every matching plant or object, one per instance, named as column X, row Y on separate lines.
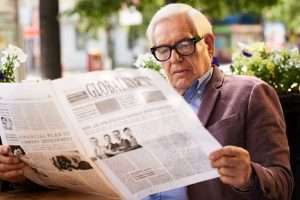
column 170, row 31
column 172, row 37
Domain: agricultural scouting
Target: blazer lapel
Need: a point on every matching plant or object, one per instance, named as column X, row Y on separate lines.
column 210, row 96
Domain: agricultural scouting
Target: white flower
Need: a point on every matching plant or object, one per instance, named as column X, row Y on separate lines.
column 12, row 58
column 148, row 61
column 13, row 54
column 280, row 68
column 144, row 59
column 3, row 60
column 294, row 51
column 139, row 63
column 244, row 69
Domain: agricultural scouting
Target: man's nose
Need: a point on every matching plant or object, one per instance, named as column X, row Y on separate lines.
column 175, row 57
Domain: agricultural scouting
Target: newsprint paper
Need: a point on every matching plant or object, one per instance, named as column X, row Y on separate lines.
column 122, row 134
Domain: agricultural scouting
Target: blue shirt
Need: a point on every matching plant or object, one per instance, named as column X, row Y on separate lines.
column 193, row 97
column 175, row 194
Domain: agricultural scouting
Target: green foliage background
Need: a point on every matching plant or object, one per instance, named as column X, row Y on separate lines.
column 286, row 11
column 101, row 13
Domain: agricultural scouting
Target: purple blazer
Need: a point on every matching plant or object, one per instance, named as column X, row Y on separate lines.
column 246, row 112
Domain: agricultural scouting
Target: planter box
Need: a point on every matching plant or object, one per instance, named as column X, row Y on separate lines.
column 291, row 109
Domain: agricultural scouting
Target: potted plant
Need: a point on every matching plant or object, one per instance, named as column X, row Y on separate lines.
column 280, row 69
column 147, row 61
column 11, row 60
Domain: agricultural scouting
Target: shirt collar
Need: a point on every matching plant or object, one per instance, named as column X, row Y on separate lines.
column 195, row 88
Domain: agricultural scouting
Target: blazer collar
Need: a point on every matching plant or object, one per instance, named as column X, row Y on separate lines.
column 210, row 96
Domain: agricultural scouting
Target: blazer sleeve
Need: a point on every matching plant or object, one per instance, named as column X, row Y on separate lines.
column 267, row 144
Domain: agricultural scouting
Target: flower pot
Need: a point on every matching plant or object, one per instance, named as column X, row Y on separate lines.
column 291, row 109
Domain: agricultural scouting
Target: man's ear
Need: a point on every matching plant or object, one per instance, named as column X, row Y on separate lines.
column 209, row 39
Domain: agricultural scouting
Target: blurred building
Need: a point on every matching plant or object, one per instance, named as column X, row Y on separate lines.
column 245, row 28
column 228, row 36
column 80, row 51
column 19, row 25
column 8, row 23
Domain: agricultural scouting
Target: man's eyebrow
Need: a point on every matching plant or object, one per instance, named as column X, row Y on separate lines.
column 178, row 41
column 183, row 39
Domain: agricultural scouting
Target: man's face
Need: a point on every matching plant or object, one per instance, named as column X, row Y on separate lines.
column 107, row 139
column 128, row 132
column 117, row 135
column 94, row 141
column 182, row 70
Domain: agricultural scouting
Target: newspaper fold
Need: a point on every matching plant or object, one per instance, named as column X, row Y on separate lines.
column 121, row 134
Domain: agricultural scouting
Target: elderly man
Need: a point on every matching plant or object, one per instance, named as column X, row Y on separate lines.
column 242, row 113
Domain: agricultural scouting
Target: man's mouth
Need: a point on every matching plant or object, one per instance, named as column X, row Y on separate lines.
column 179, row 72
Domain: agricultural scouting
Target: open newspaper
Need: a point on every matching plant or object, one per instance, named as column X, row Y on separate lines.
column 121, row 134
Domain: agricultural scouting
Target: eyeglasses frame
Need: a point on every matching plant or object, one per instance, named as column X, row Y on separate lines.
column 171, row 47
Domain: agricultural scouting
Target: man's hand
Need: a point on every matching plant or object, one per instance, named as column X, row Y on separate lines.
column 233, row 164
column 11, row 167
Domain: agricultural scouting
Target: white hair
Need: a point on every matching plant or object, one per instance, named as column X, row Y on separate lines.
column 198, row 22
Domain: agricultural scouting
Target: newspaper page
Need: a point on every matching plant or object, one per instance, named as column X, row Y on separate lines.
column 138, row 130
column 33, row 124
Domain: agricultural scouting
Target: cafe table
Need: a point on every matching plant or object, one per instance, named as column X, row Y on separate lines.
column 49, row 195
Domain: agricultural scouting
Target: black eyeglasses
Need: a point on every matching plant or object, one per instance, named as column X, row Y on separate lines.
column 184, row 48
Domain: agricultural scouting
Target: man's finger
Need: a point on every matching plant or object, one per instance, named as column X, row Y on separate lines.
column 5, row 167
column 227, row 171
column 9, row 159
column 228, row 180
column 225, row 161
column 13, row 176
column 13, row 173
column 226, row 151
column 4, row 150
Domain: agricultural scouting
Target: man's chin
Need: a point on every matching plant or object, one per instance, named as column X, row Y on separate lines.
column 181, row 90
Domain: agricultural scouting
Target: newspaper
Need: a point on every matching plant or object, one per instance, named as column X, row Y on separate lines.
column 122, row 134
